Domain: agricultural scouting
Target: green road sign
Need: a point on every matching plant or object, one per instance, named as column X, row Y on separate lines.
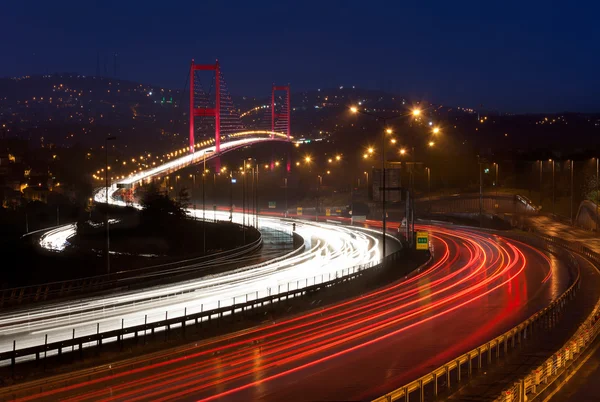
column 422, row 241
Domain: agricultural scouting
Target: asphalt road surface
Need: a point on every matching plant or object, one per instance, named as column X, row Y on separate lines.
column 478, row 286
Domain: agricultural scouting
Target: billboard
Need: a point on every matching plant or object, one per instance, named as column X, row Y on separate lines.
column 393, row 182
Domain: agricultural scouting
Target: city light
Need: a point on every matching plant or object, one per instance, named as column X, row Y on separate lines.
column 402, row 151
column 370, row 150
column 431, row 143
column 354, row 109
column 338, row 157
column 436, row 130
column 416, row 112
column 388, row 131
column 307, row 159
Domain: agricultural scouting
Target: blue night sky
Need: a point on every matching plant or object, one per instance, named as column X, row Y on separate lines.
column 526, row 56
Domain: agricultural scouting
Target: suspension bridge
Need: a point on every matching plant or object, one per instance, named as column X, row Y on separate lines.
column 213, row 113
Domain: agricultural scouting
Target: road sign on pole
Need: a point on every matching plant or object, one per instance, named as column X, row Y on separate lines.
column 422, row 241
column 299, row 211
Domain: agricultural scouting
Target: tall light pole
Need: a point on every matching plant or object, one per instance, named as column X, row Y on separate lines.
column 318, row 195
column 107, row 202
column 204, row 209
column 541, row 177
column 497, row 184
column 552, row 160
column 416, row 113
column 285, row 181
column 572, row 166
column 429, row 188
column 231, row 195
column 193, row 193
column 597, row 188
column 479, row 163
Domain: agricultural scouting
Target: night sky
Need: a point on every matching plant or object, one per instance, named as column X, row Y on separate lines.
column 525, row 56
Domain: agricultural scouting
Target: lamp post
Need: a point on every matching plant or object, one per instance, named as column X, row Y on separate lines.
column 552, row 160
column 415, row 112
column 497, row 184
column 318, row 196
column 479, row 163
column 204, row 209
column 429, row 188
column 109, row 138
column 193, row 193
column 541, row 177
column 572, row 166
column 231, row 195
column 285, row 180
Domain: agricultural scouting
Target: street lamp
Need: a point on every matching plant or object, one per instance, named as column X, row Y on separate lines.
column 552, row 160
column 109, row 138
column 318, row 195
column 415, row 113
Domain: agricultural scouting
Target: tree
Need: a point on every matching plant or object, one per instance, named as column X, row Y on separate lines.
column 183, row 198
column 158, row 210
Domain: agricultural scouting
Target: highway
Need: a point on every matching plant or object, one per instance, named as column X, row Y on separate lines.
column 478, row 286
column 330, row 250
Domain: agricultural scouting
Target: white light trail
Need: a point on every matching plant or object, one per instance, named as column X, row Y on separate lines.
column 331, row 251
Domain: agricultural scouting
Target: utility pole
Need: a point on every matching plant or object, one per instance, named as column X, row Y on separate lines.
column 480, row 194
column 572, row 166
column 286, row 195
column 244, row 202
column 231, row 196
column 319, row 177
column 553, row 198
column 497, row 184
column 541, row 176
column 107, row 203
column 429, row 188
column 383, row 214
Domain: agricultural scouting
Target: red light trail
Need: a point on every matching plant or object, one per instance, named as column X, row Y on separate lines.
column 473, row 275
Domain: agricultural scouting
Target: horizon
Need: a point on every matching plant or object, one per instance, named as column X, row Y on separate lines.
column 332, row 88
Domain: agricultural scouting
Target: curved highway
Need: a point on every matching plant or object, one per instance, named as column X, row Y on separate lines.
column 330, row 251
column 478, row 286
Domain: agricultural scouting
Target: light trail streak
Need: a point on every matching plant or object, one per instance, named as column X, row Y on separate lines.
column 470, row 267
column 332, row 251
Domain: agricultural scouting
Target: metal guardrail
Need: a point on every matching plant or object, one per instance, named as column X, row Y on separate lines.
column 512, row 337
column 52, row 290
column 79, row 343
column 545, row 374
